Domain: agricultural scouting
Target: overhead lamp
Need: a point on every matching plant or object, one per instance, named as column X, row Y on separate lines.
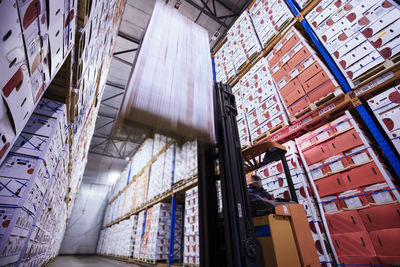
column 178, row 4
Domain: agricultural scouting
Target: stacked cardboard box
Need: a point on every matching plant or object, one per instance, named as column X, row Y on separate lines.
column 346, row 176
column 33, row 49
column 48, row 229
column 117, row 239
column 386, row 107
column 223, row 61
column 244, row 42
column 263, row 110
column 191, row 252
column 37, row 158
column 158, row 241
column 269, row 17
column 156, row 177
column 139, row 234
column 360, row 35
column 301, row 77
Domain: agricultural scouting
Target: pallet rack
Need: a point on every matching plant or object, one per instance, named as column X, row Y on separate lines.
column 171, row 195
column 353, row 99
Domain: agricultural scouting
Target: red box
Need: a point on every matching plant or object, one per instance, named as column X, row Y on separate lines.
column 386, row 242
column 389, row 260
column 381, row 217
column 322, row 90
column 353, row 244
column 310, row 72
column 292, row 92
column 359, row 260
column 353, row 199
column 298, row 57
column 315, row 80
column 280, row 72
column 274, row 58
column 345, row 141
column 295, row 94
column 330, row 185
column 317, row 153
column 331, row 204
column 335, row 163
column 358, row 155
column 363, row 175
column 290, row 44
column 379, row 194
column 344, row 222
column 299, row 105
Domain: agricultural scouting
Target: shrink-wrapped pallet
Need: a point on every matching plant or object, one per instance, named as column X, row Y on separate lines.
column 170, row 87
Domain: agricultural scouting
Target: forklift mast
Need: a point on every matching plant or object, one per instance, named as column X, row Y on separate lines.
column 228, row 241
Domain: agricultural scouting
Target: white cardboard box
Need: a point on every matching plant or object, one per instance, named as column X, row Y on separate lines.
column 18, row 97
column 12, row 52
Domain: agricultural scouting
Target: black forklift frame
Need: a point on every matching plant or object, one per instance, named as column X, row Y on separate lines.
column 236, row 245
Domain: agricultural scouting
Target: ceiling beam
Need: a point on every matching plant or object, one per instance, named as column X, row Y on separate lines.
column 122, row 60
column 109, row 106
column 208, row 14
column 125, row 51
column 105, row 116
column 111, row 97
column 119, row 86
column 106, row 155
column 128, row 37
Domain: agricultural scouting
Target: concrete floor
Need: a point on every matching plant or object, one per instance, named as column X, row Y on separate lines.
column 87, row 260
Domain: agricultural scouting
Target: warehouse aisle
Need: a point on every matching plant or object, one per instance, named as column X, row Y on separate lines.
column 86, row 260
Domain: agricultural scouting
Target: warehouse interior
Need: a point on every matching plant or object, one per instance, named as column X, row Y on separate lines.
column 200, row 133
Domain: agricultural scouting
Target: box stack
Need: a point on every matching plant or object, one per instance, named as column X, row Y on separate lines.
column 168, row 170
column 33, row 55
column 269, row 17
column 159, row 232
column 191, row 160
column 244, row 42
column 347, row 177
column 139, row 234
column 275, row 183
column 142, row 185
column 97, row 27
column 27, row 174
column 191, row 253
column 241, row 121
column 223, row 61
column 360, row 35
column 386, row 107
column 262, row 106
column 142, row 157
column 301, row 77
column 156, row 177
column 48, row 229
column 117, row 239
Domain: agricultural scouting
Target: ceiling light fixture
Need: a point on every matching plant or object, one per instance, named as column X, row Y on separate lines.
column 178, row 4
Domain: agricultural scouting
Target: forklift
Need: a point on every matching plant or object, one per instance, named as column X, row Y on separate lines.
column 251, row 232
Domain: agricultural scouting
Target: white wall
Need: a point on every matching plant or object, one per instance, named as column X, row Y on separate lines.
column 84, row 225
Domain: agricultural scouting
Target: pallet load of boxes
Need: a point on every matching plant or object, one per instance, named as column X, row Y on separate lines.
column 47, row 120
column 323, row 81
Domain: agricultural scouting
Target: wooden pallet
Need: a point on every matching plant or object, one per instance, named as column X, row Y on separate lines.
column 271, row 131
column 309, row 6
column 389, row 64
column 180, row 183
column 313, row 120
column 317, row 104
